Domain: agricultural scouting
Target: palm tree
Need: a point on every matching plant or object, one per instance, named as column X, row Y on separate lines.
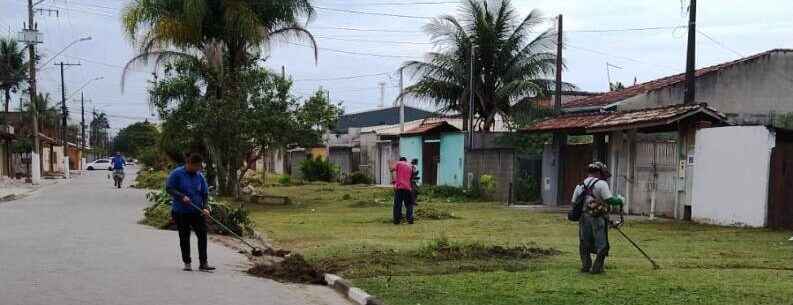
column 220, row 40
column 12, row 68
column 48, row 114
column 511, row 61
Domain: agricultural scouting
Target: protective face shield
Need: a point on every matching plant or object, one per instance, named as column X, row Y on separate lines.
column 602, row 168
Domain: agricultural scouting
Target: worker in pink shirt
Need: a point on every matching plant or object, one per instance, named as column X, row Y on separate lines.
column 403, row 195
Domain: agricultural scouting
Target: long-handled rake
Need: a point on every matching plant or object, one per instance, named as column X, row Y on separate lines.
column 254, row 250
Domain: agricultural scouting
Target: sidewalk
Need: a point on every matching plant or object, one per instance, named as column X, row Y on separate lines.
column 12, row 189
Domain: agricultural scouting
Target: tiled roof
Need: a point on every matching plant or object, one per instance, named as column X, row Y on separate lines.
column 429, row 127
column 567, row 122
column 624, row 119
column 616, row 96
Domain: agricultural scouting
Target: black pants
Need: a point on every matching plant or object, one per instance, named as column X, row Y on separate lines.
column 403, row 197
column 184, row 223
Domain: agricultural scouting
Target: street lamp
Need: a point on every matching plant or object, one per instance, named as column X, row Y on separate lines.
column 64, row 49
column 83, row 86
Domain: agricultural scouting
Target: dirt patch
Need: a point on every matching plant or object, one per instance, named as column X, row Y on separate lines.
column 431, row 213
column 368, row 204
column 293, row 268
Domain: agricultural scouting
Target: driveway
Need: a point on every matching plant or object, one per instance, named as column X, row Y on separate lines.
column 78, row 243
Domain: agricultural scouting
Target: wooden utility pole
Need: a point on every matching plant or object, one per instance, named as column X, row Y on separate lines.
column 471, row 112
column 559, row 139
column 64, row 114
column 557, row 106
column 691, row 83
column 82, row 121
column 401, row 101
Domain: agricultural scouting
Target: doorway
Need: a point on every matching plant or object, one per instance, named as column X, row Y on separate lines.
column 431, row 156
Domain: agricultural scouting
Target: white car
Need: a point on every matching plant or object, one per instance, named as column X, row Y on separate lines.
column 99, row 164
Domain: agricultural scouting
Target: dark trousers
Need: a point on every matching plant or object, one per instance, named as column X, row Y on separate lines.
column 593, row 235
column 403, row 197
column 184, row 223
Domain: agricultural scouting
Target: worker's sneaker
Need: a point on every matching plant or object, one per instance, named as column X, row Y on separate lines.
column 187, row 267
column 205, row 267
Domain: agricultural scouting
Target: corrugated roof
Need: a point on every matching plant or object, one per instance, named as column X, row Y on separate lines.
column 624, row 119
column 616, row 96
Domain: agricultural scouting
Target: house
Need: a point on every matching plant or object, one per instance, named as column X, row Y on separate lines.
column 748, row 90
column 378, row 117
column 439, row 148
column 648, row 137
column 641, row 149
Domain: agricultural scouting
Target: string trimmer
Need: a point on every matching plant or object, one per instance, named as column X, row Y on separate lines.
column 655, row 266
column 254, row 251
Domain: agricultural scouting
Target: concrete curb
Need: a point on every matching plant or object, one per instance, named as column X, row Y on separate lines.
column 357, row 295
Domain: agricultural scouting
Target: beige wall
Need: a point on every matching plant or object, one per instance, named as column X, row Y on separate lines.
column 746, row 92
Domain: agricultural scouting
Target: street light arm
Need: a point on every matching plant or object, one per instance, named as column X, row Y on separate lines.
column 63, row 50
column 83, row 86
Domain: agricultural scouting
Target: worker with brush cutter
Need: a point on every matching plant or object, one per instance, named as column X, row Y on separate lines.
column 592, row 202
column 190, row 196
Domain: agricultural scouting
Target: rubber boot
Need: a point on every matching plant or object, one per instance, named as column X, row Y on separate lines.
column 586, row 261
column 600, row 260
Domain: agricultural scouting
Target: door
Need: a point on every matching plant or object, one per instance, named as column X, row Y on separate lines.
column 431, row 157
column 780, row 198
column 576, row 160
column 384, row 155
column 655, row 176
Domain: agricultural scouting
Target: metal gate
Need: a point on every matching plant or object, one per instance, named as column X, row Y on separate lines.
column 780, row 199
column 654, row 188
column 384, row 155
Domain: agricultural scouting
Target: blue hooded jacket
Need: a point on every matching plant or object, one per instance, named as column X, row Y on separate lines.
column 183, row 183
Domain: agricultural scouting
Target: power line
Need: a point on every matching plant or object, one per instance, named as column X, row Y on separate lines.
column 343, row 28
column 723, row 46
column 403, row 3
column 353, row 52
column 341, row 77
column 374, row 41
column 372, row 13
column 625, row 29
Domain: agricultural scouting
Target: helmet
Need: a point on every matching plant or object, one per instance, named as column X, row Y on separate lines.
column 599, row 167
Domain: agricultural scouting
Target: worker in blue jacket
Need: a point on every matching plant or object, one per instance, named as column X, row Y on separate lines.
column 190, row 196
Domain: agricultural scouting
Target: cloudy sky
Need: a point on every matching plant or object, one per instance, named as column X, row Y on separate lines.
column 363, row 42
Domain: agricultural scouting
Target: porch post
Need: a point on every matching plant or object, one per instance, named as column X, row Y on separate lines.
column 630, row 169
column 600, row 149
column 559, row 145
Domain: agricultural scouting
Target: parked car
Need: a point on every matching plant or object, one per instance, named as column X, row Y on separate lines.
column 99, row 164
column 130, row 162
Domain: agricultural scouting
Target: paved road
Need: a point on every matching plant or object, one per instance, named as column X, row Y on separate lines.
column 78, row 243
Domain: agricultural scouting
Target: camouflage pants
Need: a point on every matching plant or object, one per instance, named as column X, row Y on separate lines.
column 593, row 234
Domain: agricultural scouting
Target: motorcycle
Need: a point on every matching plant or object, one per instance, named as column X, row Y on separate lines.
column 118, row 177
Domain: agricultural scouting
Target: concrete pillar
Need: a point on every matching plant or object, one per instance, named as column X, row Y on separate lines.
column 600, row 149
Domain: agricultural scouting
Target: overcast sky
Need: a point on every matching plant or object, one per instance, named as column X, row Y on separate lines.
column 373, row 46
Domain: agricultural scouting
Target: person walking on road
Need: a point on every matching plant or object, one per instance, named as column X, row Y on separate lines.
column 403, row 194
column 190, row 195
column 593, row 225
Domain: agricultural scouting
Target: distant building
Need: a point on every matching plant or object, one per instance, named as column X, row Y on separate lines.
column 378, row 117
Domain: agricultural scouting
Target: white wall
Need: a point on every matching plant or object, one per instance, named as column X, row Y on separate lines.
column 731, row 174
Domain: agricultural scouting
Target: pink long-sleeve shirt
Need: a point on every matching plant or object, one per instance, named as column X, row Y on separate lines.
column 402, row 173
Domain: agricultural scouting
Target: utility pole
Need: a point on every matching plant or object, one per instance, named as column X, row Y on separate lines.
column 471, row 111
column 32, row 39
column 559, row 139
column 82, row 121
column 401, row 101
column 64, row 114
column 691, row 82
column 382, row 94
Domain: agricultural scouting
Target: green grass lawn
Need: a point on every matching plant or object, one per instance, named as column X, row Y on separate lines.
column 347, row 229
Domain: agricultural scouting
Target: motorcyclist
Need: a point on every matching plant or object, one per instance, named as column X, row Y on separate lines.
column 118, row 164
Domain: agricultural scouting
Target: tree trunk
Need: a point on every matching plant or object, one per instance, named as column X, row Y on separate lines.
column 8, row 98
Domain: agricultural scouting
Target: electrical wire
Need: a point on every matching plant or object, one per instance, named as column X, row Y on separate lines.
column 371, row 13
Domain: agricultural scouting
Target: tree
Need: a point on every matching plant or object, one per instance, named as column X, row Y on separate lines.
column 616, row 86
column 221, row 41
column 49, row 115
column 98, row 127
column 511, row 63
column 135, row 138
column 13, row 69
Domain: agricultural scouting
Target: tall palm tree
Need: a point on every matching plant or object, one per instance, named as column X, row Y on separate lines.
column 13, row 70
column 220, row 40
column 511, row 61
column 48, row 113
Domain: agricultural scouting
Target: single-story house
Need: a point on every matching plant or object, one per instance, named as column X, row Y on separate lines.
column 644, row 164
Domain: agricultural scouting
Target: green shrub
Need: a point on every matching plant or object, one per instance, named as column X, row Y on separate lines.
column 150, row 179
column 447, row 193
column 151, row 157
column 357, row 178
column 285, row 180
column 318, row 169
column 158, row 215
column 527, row 189
column 487, row 183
